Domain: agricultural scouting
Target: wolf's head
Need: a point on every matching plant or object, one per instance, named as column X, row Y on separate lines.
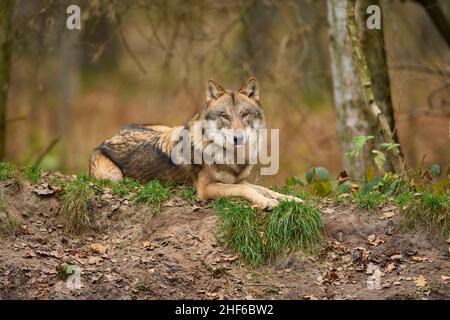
column 230, row 116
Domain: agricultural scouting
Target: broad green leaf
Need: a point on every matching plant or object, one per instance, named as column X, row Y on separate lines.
column 292, row 181
column 379, row 159
column 345, row 187
column 370, row 174
column 322, row 188
column 436, row 170
column 317, row 174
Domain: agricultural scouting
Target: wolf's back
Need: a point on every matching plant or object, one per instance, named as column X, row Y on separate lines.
column 136, row 151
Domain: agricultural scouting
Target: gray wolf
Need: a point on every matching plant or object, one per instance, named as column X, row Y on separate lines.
column 144, row 152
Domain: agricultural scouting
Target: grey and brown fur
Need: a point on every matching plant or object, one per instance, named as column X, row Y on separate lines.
column 143, row 152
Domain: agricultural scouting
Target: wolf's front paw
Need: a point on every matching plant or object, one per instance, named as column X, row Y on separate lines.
column 267, row 204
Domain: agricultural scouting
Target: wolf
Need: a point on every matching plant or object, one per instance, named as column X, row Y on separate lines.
column 146, row 152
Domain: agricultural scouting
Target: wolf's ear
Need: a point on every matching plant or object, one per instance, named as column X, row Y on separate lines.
column 251, row 89
column 213, row 91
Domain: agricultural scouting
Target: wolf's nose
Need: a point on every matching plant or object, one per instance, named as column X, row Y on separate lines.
column 238, row 138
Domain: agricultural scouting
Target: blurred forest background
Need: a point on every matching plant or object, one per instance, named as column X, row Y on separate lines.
column 149, row 62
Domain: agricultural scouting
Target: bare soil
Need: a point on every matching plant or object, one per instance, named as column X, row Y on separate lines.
column 129, row 253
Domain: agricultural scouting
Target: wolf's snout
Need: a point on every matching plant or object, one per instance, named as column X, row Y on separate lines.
column 238, row 138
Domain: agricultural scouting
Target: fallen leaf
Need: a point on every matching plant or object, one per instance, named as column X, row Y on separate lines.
column 310, row 297
column 445, row 278
column 45, row 189
column 420, row 281
column 146, row 244
column 421, row 259
column 94, row 260
column 375, row 241
column 388, row 214
column 398, row 257
column 390, row 267
column 99, row 248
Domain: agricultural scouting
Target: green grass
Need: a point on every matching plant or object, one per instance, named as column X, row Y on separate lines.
column 430, row 210
column 6, row 170
column 294, row 225
column 153, row 193
column 262, row 236
column 75, row 203
column 369, row 201
column 404, row 199
column 124, row 186
column 240, row 229
column 189, row 194
column 33, row 174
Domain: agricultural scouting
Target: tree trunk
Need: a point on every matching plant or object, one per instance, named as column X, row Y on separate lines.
column 373, row 47
column 348, row 97
column 370, row 106
column 6, row 7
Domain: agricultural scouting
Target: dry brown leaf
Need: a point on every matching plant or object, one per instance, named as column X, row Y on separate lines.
column 94, row 260
column 310, row 297
column 445, row 278
column 421, row 281
column 99, row 248
column 397, row 257
column 421, row 259
column 390, row 267
column 388, row 214
column 146, row 244
column 375, row 241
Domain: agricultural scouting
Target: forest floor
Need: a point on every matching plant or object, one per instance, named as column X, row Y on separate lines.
column 130, row 253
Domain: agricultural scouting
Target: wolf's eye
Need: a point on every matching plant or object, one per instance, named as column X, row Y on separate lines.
column 245, row 115
column 224, row 116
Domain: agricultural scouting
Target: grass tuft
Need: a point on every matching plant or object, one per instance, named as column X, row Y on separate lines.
column 124, row 186
column 261, row 236
column 431, row 210
column 6, row 170
column 369, row 201
column 189, row 195
column 33, row 174
column 294, row 225
column 153, row 193
column 240, row 229
column 75, row 202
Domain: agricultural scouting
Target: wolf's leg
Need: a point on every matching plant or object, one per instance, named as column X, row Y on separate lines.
column 217, row 190
column 101, row 167
column 273, row 194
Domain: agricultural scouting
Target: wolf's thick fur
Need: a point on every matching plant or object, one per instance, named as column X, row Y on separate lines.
column 143, row 152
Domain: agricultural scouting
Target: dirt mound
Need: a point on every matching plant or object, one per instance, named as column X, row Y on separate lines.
column 129, row 253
